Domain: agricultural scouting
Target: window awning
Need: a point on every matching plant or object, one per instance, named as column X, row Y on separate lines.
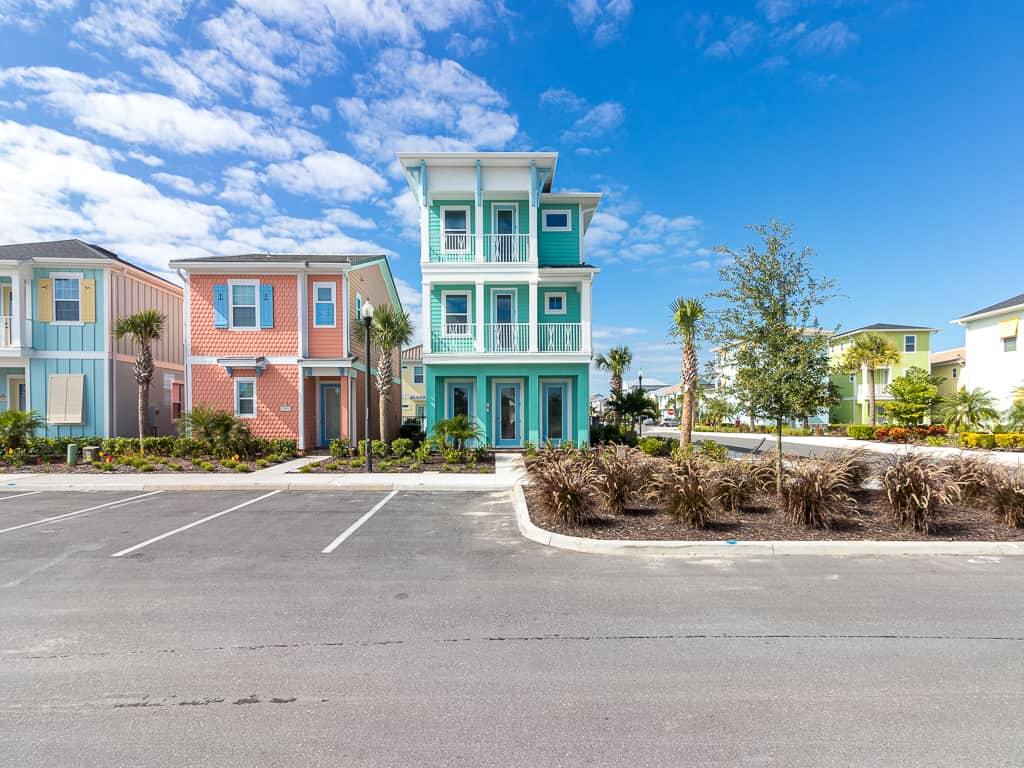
column 1008, row 328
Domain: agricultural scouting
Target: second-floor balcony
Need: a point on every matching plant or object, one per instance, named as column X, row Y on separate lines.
column 462, row 247
column 506, row 338
column 15, row 334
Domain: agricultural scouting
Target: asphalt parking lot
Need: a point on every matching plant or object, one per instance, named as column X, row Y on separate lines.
column 212, row 629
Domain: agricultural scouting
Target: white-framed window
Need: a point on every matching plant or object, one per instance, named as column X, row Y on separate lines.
column 359, row 307
column 417, row 374
column 554, row 303
column 556, row 220
column 910, row 343
column 954, row 372
column 455, row 228
column 177, row 396
column 243, row 305
column 455, row 313
column 324, row 300
column 245, row 398
column 67, row 297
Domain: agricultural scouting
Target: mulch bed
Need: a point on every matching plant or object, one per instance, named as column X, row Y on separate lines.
column 763, row 521
column 434, row 464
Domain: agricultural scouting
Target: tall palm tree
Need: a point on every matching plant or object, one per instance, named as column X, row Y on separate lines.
column 390, row 329
column 616, row 362
column 870, row 351
column 687, row 315
column 143, row 328
column 969, row 409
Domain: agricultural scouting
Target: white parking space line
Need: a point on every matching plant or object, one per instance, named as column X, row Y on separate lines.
column 78, row 512
column 193, row 524
column 6, row 497
column 355, row 526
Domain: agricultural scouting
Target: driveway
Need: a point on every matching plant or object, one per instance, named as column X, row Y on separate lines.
column 211, row 629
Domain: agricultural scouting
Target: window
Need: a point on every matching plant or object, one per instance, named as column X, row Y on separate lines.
column 853, row 377
column 243, row 298
column 1010, row 344
column 460, row 398
column 67, row 298
column 359, row 307
column 554, row 303
column 954, row 373
column 245, row 398
column 323, row 305
column 557, row 221
column 417, row 374
column 455, row 308
column 910, row 343
column 65, row 395
column 177, row 390
column 455, row 229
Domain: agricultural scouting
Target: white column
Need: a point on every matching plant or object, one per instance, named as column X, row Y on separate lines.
column 17, row 315
column 425, row 301
column 424, row 234
column 585, row 289
column 533, row 234
column 478, row 308
column 478, row 234
column 533, row 310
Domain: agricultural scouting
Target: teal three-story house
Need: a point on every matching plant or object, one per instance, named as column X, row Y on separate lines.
column 506, row 294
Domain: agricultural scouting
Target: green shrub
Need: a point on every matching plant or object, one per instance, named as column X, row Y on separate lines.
column 242, row 467
column 978, row 440
column 1010, row 440
column 283, row 447
column 272, row 458
column 712, row 450
column 861, row 431
column 402, row 446
column 916, row 486
column 358, row 461
column 261, row 463
column 208, row 466
column 411, row 430
column 18, row 427
column 458, row 432
column 655, row 446
column 341, row 446
column 176, row 467
column 306, row 469
column 422, row 453
column 228, row 463
column 451, row 455
column 529, row 448
column 227, row 433
column 145, row 467
column 601, row 434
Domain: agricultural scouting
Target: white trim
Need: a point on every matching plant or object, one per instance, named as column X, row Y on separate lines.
column 472, row 400
column 469, row 228
column 496, row 411
column 909, row 336
column 495, row 206
column 110, row 369
column 518, row 358
column 570, row 404
column 565, row 302
column 494, row 304
column 52, row 276
column 231, row 305
column 245, row 380
column 444, row 313
column 317, row 285
column 218, row 360
column 12, row 392
column 62, row 354
column 301, row 394
column 345, row 319
column 548, row 211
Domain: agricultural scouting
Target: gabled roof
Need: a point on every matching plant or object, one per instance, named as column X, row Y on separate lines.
column 298, row 259
column 1011, row 303
column 413, row 353
column 56, row 249
column 886, row 327
column 958, row 355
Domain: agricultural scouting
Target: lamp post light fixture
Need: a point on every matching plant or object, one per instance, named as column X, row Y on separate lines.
column 640, row 386
column 367, row 314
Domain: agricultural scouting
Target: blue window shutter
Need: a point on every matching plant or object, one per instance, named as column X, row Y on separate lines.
column 325, row 313
column 266, row 306
column 220, row 306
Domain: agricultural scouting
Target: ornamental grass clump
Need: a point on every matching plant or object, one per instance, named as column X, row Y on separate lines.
column 1005, row 494
column 621, row 474
column 762, row 472
column 816, row 492
column 916, row 487
column 563, row 485
column 971, row 473
column 682, row 488
column 733, row 485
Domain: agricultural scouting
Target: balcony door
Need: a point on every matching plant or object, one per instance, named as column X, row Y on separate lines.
column 6, row 321
column 505, row 228
column 504, row 336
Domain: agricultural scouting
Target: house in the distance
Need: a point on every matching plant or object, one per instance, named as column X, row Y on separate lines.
column 948, row 365
column 59, row 301
column 414, row 397
column 270, row 338
column 992, row 343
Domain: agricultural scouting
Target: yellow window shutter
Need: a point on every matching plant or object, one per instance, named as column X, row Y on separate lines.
column 1008, row 328
column 44, row 289
column 88, row 298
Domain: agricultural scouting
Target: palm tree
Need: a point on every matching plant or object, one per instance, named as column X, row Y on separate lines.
column 143, row 328
column 617, row 362
column 391, row 329
column 686, row 320
column 634, row 406
column 969, row 409
column 870, row 351
column 18, row 427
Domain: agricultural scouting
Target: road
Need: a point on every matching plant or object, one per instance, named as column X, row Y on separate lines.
column 741, row 444
column 185, row 629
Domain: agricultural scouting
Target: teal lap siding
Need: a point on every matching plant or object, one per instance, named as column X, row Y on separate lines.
column 94, row 412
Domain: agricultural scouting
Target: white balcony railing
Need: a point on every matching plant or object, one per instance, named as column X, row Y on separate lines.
column 452, row 247
column 560, row 337
column 506, row 249
column 452, row 338
column 6, row 331
column 507, row 337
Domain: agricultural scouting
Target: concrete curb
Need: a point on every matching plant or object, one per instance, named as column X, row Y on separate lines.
column 531, row 531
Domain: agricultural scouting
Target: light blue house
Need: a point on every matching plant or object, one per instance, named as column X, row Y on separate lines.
column 58, row 303
column 506, row 294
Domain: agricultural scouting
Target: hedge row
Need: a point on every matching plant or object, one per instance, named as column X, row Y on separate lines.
column 984, row 440
column 178, row 447
column 895, row 434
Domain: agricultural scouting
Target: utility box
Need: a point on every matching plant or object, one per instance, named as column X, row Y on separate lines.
column 72, row 453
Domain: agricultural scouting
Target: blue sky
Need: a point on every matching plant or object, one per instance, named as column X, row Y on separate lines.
column 886, row 131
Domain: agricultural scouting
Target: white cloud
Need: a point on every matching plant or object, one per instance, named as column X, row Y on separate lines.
column 603, row 19
column 29, row 13
column 830, row 38
column 462, row 46
column 741, row 35
column 605, row 332
column 321, row 113
column 184, row 184
column 593, row 151
column 344, row 217
column 597, row 121
column 776, row 10
column 161, row 66
column 329, row 175
column 405, row 211
column 563, row 98
column 242, row 187
column 163, row 121
column 290, row 234
column 129, row 22
column 151, row 160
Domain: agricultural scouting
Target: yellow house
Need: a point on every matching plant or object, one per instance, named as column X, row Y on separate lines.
column 949, row 364
column 414, row 388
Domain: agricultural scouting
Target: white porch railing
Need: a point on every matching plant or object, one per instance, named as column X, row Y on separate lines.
column 507, row 337
column 452, row 338
column 507, row 249
column 452, row 247
column 6, row 331
column 560, row 337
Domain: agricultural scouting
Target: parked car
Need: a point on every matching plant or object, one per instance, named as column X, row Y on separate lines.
column 669, row 422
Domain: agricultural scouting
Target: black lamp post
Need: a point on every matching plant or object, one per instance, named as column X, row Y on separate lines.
column 640, row 386
column 367, row 313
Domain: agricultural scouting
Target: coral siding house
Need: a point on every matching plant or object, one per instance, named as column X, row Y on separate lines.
column 992, row 344
column 269, row 338
column 506, row 294
column 58, row 303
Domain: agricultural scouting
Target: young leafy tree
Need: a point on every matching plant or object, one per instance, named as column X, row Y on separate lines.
column 616, row 362
column 687, row 317
column 969, row 409
column 717, row 410
column 143, row 328
column 914, row 396
column 869, row 351
column 390, row 329
column 770, row 301
column 1015, row 415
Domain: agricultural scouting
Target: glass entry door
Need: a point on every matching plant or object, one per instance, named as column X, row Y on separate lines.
column 507, row 415
column 330, row 413
column 555, row 412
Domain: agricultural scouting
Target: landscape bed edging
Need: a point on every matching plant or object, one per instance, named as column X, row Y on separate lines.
column 533, row 532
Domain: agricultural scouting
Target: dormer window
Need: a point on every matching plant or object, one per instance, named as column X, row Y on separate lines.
column 455, row 229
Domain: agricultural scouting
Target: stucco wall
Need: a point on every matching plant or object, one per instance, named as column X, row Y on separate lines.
column 989, row 366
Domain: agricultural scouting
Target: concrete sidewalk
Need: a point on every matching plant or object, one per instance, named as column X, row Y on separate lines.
column 507, row 471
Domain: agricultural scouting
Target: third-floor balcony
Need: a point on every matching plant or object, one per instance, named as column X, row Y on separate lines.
column 505, row 338
column 464, row 247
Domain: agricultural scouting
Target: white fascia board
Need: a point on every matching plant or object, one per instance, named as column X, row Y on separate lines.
column 558, row 274
column 72, row 263
column 239, row 266
column 520, row 358
column 323, row 362
column 472, row 271
column 984, row 315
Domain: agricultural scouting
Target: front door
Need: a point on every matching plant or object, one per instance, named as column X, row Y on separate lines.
column 330, row 412
column 507, row 415
column 554, row 412
column 505, row 231
column 503, row 330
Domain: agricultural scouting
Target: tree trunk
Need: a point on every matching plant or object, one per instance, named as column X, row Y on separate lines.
column 143, row 370
column 143, row 413
column 689, row 380
column 615, row 387
column 871, row 395
column 778, row 455
column 807, row 422
column 750, row 413
column 384, row 389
